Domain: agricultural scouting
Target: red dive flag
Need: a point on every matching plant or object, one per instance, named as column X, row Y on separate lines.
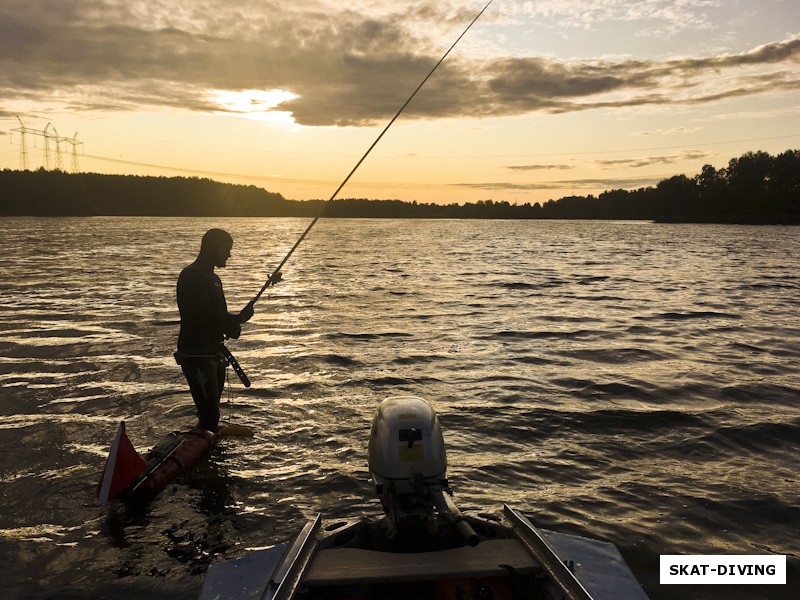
column 122, row 466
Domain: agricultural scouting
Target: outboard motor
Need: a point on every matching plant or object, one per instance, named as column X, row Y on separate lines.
column 408, row 464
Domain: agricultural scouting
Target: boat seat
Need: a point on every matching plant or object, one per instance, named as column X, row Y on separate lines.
column 491, row 558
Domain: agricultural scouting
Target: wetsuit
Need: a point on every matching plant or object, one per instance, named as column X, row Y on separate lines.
column 205, row 321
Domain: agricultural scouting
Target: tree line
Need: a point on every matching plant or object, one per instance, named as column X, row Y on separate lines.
column 754, row 188
column 56, row 193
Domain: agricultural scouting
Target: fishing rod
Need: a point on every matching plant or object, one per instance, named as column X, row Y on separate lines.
column 275, row 276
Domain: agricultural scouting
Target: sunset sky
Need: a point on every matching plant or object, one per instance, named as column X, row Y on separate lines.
column 541, row 99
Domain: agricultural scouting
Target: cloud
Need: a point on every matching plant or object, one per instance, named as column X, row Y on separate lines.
column 648, row 161
column 539, row 167
column 753, row 114
column 659, row 17
column 671, row 131
column 566, row 184
column 536, row 84
column 342, row 67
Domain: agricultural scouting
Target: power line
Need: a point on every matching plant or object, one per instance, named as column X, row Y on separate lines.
column 322, row 181
column 203, row 172
column 276, row 179
column 460, row 156
column 260, row 178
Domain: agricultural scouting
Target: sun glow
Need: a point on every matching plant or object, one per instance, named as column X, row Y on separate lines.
column 255, row 104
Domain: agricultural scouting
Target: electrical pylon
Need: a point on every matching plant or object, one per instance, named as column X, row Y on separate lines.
column 47, row 138
column 75, row 143
column 49, row 134
column 23, row 145
column 57, row 140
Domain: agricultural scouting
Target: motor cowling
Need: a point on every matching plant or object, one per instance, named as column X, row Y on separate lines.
column 408, row 463
column 406, row 446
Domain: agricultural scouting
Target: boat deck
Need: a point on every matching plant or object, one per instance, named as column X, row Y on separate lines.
column 492, row 558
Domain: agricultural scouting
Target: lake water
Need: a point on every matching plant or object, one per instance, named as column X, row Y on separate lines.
column 628, row 381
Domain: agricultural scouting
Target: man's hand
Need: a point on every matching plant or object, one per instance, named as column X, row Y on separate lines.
column 275, row 278
column 247, row 313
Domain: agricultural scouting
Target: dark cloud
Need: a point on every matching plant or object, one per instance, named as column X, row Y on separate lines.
column 345, row 69
column 531, row 84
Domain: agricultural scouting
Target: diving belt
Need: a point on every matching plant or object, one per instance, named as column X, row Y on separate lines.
column 225, row 354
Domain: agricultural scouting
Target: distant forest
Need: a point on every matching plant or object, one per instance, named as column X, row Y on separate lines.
column 754, row 188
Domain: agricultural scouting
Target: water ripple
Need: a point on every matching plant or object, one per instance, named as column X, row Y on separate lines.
column 628, row 381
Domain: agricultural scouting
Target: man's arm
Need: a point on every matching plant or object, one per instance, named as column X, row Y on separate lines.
column 197, row 308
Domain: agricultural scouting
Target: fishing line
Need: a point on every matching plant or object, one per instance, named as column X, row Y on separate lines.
column 273, row 278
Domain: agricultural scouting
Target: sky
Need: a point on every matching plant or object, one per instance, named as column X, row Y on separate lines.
column 539, row 100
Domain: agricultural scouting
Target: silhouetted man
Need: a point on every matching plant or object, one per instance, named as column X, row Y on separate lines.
column 205, row 323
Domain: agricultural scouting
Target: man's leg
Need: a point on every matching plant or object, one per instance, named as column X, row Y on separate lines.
column 221, row 369
column 203, row 378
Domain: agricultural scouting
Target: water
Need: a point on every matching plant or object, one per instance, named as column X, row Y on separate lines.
column 632, row 382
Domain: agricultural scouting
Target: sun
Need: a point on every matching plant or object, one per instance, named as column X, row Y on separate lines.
column 255, row 104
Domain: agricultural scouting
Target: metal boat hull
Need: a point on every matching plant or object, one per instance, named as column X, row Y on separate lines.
column 349, row 560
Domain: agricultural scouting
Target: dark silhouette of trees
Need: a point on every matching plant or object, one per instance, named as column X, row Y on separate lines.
column 674, row 196
column 754, row 188
column 712, row 191
column 87, row 194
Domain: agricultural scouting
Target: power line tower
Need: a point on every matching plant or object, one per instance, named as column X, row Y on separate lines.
column 50, row 134
column 57, row 141
column 75, row 143
column 47, row 137
column 23, row 145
